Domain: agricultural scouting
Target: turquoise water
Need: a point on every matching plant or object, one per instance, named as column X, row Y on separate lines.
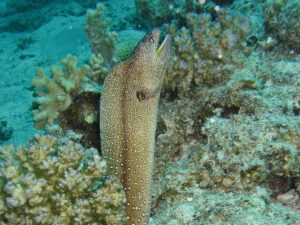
column 227, row 136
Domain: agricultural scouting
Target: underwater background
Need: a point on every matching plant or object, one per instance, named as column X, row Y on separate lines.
column 228, row 127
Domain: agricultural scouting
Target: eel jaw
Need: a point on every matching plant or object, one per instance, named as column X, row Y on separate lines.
column 162, row 57
column 166, row 42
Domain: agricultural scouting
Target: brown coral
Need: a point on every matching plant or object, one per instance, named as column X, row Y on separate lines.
column 71, row 96
column 55, row 93
column 56, row 181
column 206, row 52
column 101, row 39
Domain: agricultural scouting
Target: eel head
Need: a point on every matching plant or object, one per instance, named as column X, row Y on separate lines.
column 148, row 63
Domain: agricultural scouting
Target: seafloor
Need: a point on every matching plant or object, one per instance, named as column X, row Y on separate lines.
column 228, row 128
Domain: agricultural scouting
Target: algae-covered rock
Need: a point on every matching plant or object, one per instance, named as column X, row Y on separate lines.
column 230, row 139
column 194, row 206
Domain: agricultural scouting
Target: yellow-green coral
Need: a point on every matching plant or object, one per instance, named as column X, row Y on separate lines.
column 57, row 181
column 128, row 39
column 124, row 49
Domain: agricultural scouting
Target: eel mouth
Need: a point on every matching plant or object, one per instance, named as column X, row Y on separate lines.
column 166, row 42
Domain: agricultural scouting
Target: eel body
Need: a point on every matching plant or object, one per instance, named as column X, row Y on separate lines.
column 128, row 111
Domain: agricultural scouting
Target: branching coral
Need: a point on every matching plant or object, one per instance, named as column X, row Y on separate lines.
column 98, row 72
column 101, row 39
column 56, row 94
column 206, row 52
column 56, row 181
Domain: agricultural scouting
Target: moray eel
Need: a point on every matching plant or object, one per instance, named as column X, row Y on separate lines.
column 128, row 111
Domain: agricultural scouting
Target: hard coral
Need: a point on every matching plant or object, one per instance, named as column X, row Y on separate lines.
column 206, row 52
column 101, row 39
column 56, row 181
column 56, row 94
column 98, row 72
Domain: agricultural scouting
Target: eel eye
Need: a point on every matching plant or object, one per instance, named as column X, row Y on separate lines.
column 141, row 95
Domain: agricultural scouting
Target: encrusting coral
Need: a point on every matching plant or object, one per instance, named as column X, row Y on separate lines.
column 56, row 181
column 193, row 206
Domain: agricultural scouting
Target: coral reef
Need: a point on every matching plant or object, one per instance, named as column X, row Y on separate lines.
column 206, row 52
column 56, row 181
column 196, row 207
column 101, row 39
column 227, row 140
column 5, row 131
column 98, row 71
column 73, row 95
column 230, row 138
column 281, row 18
column 239, row 135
